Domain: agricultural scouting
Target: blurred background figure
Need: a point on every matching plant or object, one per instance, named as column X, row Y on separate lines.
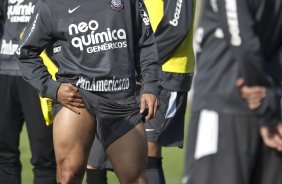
column 172, row 22
column 98, row 164
column 238, row 41
column 20, row 103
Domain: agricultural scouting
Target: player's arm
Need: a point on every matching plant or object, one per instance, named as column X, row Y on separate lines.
column 149, row 65
column 255, row 95
column 174, row 26
column 37, row 35
column 237, row 24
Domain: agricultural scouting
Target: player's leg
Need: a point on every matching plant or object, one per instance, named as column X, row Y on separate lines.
column 96, row 172
column 73, row 136
column 154, row 170
column 40, row 135
column 10, row 127
column 128, row 154
column 96, row 176
column 166, row 129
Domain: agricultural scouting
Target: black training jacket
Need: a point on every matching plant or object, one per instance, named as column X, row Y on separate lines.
column 97, row 44
column 17, row 14
column 2, row 17
column 236, row 38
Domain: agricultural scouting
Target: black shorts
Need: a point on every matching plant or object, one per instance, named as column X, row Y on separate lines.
column 167, row 127
column 227, row 149
column 113, row 119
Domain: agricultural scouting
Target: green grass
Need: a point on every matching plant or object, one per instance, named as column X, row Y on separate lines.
column 172, row 163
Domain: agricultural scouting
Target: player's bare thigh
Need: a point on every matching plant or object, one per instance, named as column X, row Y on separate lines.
column 73, row 136
column 128, row 154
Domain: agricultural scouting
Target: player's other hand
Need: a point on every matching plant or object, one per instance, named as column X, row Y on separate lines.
column 150, row 103
column 272, row 136
column 68, row 95
column 254, row 95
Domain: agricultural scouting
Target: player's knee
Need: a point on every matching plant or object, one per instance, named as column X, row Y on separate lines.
column 70, row 173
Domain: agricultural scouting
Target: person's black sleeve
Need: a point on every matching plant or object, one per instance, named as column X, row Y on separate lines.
column 174, row 26
column 274, row 67
column 148, row 52
column 3, row 10
column 237, row 24
column 38, row 34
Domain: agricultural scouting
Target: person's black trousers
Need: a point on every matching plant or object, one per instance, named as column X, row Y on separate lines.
column 20, row 103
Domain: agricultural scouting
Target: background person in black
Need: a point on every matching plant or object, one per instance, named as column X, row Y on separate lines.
column 20, row 103
column 2, row 17
column 98, row 164
column 237, row 39
column 98, row 45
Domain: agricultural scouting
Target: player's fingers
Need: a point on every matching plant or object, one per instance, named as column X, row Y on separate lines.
column 279, row 129
column 76, row 96
column 156, row 105
column 74, row 92
column 73, row 109
column 78, row 105
column 150, row 110
column 254, row 104
column 240, row 82
column 75, row 100
column 278, row 142
column 250, row 92
column 270, row 142
column 142, row 105
column 267, row 138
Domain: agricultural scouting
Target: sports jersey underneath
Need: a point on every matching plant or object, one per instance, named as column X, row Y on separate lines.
column 233, row 37
column 172, row 22
column 97, row 45
column 17, row 15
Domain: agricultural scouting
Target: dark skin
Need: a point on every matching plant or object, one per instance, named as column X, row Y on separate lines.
column 68, row 95
column 254, row 95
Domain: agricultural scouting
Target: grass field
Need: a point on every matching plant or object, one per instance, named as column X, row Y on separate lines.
column 173, row 163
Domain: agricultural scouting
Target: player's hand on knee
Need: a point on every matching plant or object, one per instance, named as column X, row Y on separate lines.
column 254, row 95
column 272, row 136
column 149, row 102
column 69, row 96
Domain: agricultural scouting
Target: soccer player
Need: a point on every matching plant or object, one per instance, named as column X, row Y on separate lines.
column 97, row 45
column 237, row 38
column 172, row 22
column 20, row 103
